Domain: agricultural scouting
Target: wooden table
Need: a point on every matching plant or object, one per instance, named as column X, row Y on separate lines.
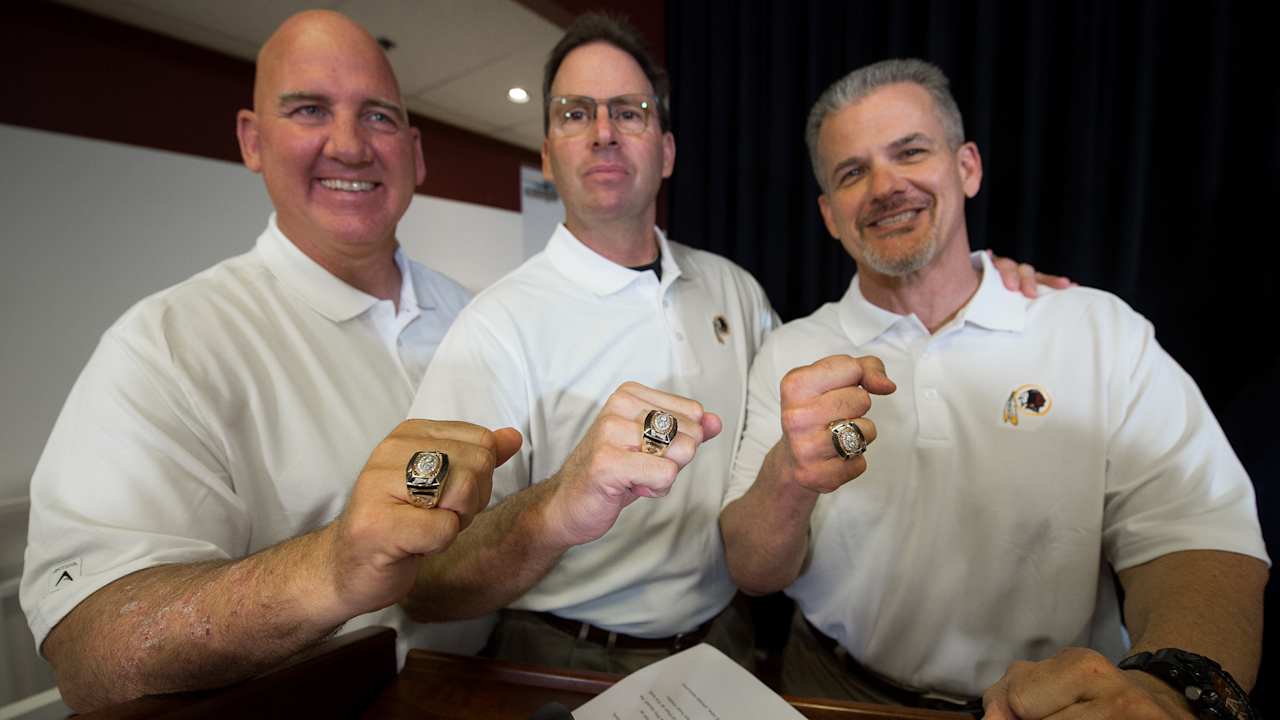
column 354, row 675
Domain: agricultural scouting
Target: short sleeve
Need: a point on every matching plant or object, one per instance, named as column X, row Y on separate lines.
column 130, row 478
column 1173, row 482
column 762, row 429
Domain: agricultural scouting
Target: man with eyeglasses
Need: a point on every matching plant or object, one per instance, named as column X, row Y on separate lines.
column 605, row 559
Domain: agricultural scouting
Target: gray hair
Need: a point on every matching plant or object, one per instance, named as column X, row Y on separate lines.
column 865, row 80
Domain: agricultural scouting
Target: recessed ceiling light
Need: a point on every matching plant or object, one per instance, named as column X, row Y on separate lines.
column 518, row 95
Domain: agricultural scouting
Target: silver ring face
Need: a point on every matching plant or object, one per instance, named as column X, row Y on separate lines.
column 659, row 430
column 424, row 477
column 847, row 438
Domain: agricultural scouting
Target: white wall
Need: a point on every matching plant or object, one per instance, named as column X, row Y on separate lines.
column 91, row 227
column 88, row 228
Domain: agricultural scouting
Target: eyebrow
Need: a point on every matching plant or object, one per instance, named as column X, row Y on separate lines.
column 916, row 137
column 295, row 97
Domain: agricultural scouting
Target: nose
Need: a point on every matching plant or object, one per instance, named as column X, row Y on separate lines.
column 602, row 125
column 885, row 181
column 347, row 142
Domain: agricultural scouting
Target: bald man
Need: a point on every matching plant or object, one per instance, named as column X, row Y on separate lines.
column 200, row 512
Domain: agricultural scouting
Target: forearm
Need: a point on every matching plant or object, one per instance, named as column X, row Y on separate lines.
column 183, row 627
column 1207, row 602
column 766, row 531
column 504, row 553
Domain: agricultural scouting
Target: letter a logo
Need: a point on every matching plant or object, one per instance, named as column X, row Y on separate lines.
column 64, row 575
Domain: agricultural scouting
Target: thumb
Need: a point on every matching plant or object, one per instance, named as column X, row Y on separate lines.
column 874, row 378
column 711, row 425
column 509, row 441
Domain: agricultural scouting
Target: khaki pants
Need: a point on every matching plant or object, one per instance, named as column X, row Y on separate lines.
column 811, row 670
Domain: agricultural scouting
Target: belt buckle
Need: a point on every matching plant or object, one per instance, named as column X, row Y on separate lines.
column 683, row 641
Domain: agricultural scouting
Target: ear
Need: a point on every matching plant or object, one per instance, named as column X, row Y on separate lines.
column 247, row 134
column 668, row 154
column 970, row 163
column 419, row 162
column 546, row 161
column 825, row 207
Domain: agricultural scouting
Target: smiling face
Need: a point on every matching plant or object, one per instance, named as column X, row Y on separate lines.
column 895, row 190
column 330, row 136
column 603, row 174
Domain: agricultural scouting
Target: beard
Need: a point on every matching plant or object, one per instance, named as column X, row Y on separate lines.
column 878, row 256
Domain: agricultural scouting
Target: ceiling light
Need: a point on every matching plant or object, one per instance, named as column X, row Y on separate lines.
column 518, row 95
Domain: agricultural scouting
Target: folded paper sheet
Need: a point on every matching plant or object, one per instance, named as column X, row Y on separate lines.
column 700, row 683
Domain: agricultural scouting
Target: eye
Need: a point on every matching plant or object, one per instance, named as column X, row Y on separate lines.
column 849, row 175
column 628, row 113
column 382, row 118
column 308, row 112
column 913, row 152
column 575, row 115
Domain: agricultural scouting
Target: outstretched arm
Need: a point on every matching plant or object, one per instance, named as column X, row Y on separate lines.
column 190, row 626
column 514, row 544
column 1203, row 601
column 766, row 531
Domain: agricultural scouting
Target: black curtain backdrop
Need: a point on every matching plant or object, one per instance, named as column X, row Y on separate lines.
column 1134, row 146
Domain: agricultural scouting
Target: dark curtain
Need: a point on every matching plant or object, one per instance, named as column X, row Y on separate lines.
column 1134, row 146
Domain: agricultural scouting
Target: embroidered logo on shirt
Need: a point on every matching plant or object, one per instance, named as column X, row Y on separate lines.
column 64, row 575
column 721, row 326
column 1031, row 400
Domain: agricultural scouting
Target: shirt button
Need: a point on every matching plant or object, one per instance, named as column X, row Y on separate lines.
column 931, row 394
column 680, row 336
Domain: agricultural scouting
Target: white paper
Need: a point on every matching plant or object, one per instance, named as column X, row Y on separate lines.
column 700, row 683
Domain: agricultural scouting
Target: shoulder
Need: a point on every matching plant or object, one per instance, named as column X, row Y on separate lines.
column 723, row 275
column 1086, row 310
column 712, row 264
column 504, row 313
column 225, row 294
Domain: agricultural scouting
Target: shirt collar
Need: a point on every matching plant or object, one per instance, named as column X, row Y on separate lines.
column 592, row 271
column 409, row 294
column 318, row 288
column 993, row 306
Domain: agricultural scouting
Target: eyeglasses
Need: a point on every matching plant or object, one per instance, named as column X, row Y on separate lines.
column 572, row 114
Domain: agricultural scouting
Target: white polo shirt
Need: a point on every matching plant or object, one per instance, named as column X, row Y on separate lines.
column 224, row 415
column 542, row 349
column 1028, row 445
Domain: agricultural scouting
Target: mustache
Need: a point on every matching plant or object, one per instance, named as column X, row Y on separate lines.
column 884, row 207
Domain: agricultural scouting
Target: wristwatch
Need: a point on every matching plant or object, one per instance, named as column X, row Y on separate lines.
column 1211, row 691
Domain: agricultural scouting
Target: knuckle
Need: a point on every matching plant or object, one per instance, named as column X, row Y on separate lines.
column 794, row 420
column 791, row 382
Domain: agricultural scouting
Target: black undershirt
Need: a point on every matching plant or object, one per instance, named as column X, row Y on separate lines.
column 655, row 266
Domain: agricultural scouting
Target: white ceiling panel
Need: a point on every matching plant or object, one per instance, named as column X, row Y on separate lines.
column 440, row 41
column 481, row 95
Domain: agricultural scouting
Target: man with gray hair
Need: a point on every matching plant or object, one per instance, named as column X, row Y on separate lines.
column 1028, row 449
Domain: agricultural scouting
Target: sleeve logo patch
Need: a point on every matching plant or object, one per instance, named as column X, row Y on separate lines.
column 64, row 575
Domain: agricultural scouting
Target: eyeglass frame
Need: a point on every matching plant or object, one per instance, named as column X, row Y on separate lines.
column 653, row 110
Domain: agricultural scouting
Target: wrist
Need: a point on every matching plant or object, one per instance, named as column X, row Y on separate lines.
column 1205, row 688
column 315, row 562
column 1174, row 702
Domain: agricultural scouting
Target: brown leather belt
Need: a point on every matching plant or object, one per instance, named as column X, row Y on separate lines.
column 607, row 638
column 883, row 686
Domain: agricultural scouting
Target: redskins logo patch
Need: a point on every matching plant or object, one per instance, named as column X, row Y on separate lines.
column 1024, row 401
